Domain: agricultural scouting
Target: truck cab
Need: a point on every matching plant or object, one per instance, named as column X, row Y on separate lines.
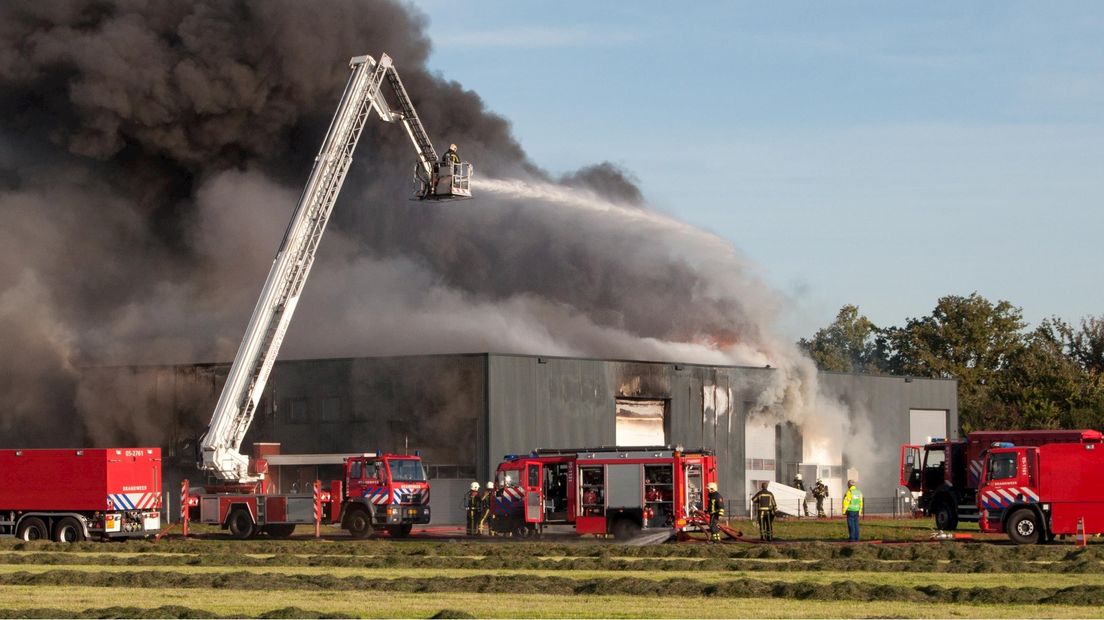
column 1007, row 496
column 938, row 476
column 385, row 491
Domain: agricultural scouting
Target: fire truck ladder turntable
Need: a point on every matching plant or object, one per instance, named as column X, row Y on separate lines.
column 265, row 332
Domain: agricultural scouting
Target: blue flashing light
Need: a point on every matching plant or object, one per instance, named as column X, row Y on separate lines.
column 1003, row 444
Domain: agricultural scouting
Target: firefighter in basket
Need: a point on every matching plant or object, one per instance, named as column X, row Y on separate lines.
column 716, row 505
column 472, row 504
column 764, row 506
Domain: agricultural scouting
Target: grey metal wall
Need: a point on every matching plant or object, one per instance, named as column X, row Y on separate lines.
column 464, row 412
column 550, row 402
column 886, row 402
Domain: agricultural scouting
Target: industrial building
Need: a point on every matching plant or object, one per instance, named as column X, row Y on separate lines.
column 464, row 412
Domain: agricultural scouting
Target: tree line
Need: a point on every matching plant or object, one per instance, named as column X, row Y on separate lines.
column 1010, row 376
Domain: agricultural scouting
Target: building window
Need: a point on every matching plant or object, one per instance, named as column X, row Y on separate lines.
column 331, row 409
column 297, row 411
column 641, row 422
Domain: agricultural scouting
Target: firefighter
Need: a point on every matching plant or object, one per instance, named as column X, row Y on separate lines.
column 716, row 505
column 764, row 506
column 820, row 492
column 450, row 157
column 800, row 485
column 852, row 506
column 472, row 503
column 485, row 506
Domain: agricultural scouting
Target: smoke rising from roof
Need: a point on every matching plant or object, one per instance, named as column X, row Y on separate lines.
column 152, row 154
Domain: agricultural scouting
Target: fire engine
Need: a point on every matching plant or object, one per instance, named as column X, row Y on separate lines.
column 377, row 492
column 1035, row 493
column 945, row 474
column 606, row 490
column 73, row 495
column 240, row 502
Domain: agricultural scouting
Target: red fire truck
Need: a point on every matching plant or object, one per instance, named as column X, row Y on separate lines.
column 946, row 473
column 72, row 495
column 618, row 490
column 1035, row 493
column 377, row 492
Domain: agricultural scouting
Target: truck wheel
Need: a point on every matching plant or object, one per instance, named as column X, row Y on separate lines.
column 359, row 523
column 33, row 529
column 400, row 531
column 625, row 529
column 68, row 530
column 241, row 524
column 1023, row 527
column 946, row 517
column 279, row 530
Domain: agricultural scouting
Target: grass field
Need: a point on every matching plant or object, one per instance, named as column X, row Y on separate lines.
column 563, row 577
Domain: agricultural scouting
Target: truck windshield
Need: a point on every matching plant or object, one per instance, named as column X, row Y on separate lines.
column 407, row 470
column 1002, row 466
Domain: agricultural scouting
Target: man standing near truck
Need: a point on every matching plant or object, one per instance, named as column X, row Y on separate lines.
column 716, row 505
column 472, row 503
column 852, row 506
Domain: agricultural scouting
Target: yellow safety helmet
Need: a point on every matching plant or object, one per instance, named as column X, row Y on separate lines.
column 475, row 486
column 452, row 147
column 490, row 484
column 712, row 486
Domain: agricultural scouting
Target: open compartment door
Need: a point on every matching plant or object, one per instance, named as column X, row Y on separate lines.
column 534, row 504
column 909, row 474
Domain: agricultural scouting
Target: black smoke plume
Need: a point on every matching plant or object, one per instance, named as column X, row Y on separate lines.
column 151, row 153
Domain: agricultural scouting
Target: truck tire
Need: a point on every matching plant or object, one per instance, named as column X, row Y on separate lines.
column 279, row 530
column 359, row 523
column 946, row 516
column 1023, row 527
column 33, row 528
column 68, row 530
column 625, row 529
column 241, row 524
column 400, row 531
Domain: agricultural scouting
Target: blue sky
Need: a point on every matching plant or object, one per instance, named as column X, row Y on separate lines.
column 881, row 154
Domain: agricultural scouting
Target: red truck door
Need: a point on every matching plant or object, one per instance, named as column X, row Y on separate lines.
column 534, row 503
column 909, row 472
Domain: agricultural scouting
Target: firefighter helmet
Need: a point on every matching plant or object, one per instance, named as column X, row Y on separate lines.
column 452, row 147
column 475, row 486
column 490, row 484
column 508, row 480
column 712, row 486
column 820, row 481
column 797, row 476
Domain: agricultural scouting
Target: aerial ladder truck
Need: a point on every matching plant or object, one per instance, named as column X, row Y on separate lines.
column 220, row 447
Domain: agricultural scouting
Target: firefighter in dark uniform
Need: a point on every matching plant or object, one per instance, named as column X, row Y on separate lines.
column 472, row 504
column 799, row 484
column 716, row 504
column 820, row 492
column 764, row 506
column 485, row 506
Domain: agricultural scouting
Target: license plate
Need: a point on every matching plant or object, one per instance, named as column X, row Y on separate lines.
column 112, row 523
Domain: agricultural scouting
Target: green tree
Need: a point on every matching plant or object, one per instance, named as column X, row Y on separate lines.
column 968, row 338
column 849, row 344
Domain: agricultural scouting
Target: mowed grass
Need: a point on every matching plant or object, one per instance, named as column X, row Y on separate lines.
column 557, row 577
column 902, row 579
column 237, row 603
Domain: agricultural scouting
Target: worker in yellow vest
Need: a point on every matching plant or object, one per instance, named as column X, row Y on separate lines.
column 852, row 506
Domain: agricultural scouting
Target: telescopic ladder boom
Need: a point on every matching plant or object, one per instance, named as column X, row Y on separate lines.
column 264, row 334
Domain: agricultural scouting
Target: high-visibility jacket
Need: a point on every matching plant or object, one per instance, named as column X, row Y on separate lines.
column 852, row 500
column 450, row 157
column 472, row 501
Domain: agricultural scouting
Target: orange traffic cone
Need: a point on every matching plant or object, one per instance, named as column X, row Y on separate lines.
column 1079, row 539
